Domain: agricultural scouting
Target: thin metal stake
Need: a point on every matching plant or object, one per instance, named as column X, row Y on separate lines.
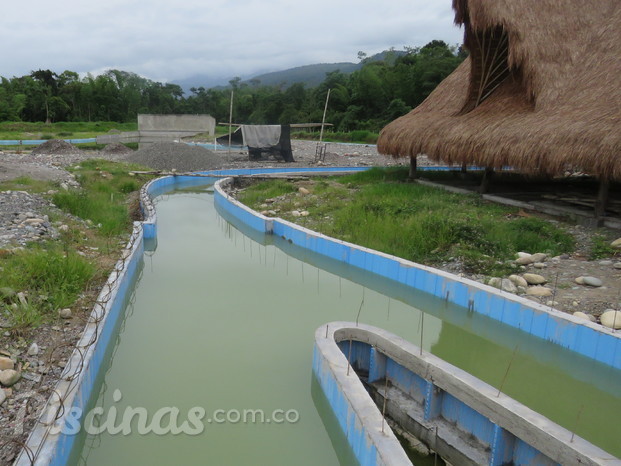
column 554, row 290
column 349, row 357
column 504, row 378
column 327, row 330
column 359, row 309
column 422, row 331
column 385, row 397
column 317, row 281
column 389, row 300
column 573, row 433
column 435, row 448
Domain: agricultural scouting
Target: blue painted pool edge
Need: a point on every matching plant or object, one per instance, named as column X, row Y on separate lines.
column 586, row 338
column 77, row 382
column 371, row 440
column 451, row 403
column 75, row 386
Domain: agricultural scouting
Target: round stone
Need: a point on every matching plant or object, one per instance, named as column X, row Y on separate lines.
column 611, row 319
column 539, row 291
column 6, row 363
column 534, row 279
column 518, row 281
column 592, row 281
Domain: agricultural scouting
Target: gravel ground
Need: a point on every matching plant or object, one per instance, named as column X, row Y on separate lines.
column 23, row 219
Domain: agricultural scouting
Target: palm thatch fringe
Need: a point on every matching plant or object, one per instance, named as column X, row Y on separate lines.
column 557, row 106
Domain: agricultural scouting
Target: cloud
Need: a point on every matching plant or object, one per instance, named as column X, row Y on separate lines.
column 165, row 40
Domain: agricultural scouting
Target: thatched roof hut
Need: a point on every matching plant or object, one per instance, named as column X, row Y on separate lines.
column 541, row 91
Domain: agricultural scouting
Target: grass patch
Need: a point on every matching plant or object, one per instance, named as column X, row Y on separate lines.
column 267, row 190
column 356, row 137
column 25, row 183
column 379, row 209
column 102, row 198
column 601, row 248
column 55, row 274
column 61, row 130
column 50, row 279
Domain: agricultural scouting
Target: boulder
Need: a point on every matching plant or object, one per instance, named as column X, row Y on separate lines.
column 525, row 260
column 582, row 315
column 539, row 291
column 495, row 282
column 592, row 281
column 518, row 281
column 508, row 286
column 6, row 363
column 65, row 313
column 611, row 319
column 534, row 279
column 616, row 243
column 33, row 350
column 539, row 257
column 9, row 377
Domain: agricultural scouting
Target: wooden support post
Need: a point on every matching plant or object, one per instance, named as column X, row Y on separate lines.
column 602, row 198
column 485, row 182
column 230, row 122
column 412, row 174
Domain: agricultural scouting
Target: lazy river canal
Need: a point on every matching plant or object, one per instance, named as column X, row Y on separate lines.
column 226, row 323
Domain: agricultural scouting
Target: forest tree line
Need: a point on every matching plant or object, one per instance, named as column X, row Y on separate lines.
column 367, row 99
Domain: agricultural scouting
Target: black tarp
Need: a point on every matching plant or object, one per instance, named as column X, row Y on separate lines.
column 280, row 151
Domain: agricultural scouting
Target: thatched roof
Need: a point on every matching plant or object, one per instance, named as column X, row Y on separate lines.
column 552, row 100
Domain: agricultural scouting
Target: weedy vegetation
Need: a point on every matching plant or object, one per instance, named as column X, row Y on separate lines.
column 379, row 209
column 40, row 279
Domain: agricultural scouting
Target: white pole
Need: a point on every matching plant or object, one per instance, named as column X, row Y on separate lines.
column 323, row 120
column 230, row 122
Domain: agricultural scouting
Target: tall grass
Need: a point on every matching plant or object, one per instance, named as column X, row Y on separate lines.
column 49, row 277
column 102, row 199
column 378, row 209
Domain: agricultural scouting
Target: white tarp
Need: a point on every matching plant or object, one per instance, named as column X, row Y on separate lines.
column 260, row 135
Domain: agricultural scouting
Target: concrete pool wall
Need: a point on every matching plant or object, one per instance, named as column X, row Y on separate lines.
column 78, row 379
column 586, row 338
column 462, row 418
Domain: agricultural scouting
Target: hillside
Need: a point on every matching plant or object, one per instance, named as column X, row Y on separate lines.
column 310, row 75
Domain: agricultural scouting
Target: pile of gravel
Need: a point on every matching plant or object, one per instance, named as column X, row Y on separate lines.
column 178, row 156
column 56, row 147
column 116, row 148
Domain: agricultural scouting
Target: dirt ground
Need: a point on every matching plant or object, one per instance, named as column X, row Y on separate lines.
column 54, row 340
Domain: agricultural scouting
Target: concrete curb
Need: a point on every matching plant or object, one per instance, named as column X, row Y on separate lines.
column 578, row 335
column 505, row 429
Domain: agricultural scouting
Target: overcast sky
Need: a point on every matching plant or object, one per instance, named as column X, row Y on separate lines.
column 165, row 40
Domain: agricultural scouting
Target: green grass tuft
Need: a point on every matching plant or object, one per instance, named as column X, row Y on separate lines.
column 379, row 209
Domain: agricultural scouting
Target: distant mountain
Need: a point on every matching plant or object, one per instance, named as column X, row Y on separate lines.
column 310, row 75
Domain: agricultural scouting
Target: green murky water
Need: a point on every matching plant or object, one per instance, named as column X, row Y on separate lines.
column 223, row 322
